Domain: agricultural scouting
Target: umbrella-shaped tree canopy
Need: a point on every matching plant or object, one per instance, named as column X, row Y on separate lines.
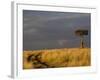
column 81, row 32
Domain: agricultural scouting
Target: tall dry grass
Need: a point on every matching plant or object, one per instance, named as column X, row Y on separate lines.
column 66, row 57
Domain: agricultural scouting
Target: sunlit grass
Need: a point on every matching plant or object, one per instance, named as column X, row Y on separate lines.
column 66, row 57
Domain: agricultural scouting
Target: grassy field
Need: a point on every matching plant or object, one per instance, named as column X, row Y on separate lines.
column 54, row 58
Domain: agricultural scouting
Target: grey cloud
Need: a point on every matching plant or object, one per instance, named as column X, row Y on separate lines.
column 42, row 29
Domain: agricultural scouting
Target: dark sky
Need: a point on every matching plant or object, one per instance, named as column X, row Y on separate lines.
column 46, row 29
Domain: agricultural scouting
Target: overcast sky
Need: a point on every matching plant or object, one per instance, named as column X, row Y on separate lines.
column 46, row 29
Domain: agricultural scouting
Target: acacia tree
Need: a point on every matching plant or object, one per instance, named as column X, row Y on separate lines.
column 81, row 33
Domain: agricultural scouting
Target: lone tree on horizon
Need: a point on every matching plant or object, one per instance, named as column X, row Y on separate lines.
column 81, row 33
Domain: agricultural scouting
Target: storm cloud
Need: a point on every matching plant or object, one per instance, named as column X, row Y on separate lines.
column 47, row 29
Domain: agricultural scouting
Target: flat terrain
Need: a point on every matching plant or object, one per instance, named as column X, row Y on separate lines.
column 53, row 58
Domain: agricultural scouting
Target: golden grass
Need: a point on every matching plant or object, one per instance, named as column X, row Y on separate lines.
column 66, row 57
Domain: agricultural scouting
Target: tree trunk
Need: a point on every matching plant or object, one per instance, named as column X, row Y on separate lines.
column 81, row 42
